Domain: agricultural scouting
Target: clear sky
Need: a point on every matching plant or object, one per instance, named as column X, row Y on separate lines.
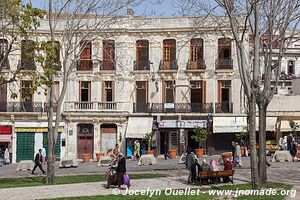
column 147, row 7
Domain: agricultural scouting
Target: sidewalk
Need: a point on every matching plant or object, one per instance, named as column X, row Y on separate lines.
column 91, row 189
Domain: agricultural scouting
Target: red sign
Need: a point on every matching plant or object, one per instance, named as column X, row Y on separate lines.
column 5, row 129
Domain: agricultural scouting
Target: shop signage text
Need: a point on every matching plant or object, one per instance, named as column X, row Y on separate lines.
column 182, row 123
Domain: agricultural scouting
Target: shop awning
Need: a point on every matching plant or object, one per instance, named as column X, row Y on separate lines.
column 5, row 137
column 138, row 126
column 229, row 124
column 285, row 126
column 270, row 123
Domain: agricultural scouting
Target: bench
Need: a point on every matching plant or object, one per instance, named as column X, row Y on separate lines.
column 216, row 174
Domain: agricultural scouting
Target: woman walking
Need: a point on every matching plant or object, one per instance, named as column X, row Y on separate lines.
column 238, row 155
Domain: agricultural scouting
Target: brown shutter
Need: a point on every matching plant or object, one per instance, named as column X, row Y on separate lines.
column 219, row 91
column 89, row 88
column 113, row 90
column 203, row 92
column 103, row 95
column 163, row 91
column 146, row 91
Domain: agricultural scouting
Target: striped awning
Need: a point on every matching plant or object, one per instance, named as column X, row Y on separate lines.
column 5, row 137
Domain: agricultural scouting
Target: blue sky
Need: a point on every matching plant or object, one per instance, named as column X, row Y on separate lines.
column 148, row 7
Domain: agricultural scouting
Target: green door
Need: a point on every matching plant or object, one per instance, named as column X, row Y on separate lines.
column 25, row 146
column 57, row 145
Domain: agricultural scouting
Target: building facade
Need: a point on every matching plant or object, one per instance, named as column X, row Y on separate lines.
column 145, row 75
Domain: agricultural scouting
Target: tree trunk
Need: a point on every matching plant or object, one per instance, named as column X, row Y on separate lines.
column 51, row 142
column 262, row 143
column 252, row 138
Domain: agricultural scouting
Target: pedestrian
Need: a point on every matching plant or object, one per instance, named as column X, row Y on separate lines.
column 166, row 150
column 238, row 155
column 233, row 151
column 38, row 160
column 6, row 156
column 121, row 169
column 191, row 156
column 289, row 142
column 227, row 166
column 137, row 148
column 116, row 150
column 43, row 156
column 280, row 144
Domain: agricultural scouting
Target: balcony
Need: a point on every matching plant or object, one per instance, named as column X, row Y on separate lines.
column 26, row 106
column 199, row 65
column 141, row 65
column 47, row 107
column 181, row 108
column 141, row 107
column 84, row 65
column 168, row 65
column 224, row 63
column 4, row 64
column 108, row 65
column 26, row 65
column 224, row 107
column 96, row 106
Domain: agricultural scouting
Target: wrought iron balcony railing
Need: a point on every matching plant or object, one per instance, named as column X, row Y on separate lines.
column 192, row 65
column 141, row 65
column 25, row 106
column 107, row 65
column 224, row 107
column 224, row 63
column 168, row 65
column 85, row 65
column 141, row 107
column 181, row 108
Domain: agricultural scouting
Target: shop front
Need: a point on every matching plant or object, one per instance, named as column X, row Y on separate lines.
column 30, row 137
column 224, row 131
column 137, row 128
column 5, row 139
column 175, row 134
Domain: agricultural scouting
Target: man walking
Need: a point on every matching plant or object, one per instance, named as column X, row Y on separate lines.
column 38, row 161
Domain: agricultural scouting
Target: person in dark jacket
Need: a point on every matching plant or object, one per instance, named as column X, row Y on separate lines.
column 38, row 162
column 121, row 169
column 233, row 151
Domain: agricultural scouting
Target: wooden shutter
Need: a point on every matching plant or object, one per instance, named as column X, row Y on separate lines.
column 219, row 91
column 163, row 91
column 85, row 55
column 113, row 90
column 203, row 92
column 108, row 54
column 103, row 96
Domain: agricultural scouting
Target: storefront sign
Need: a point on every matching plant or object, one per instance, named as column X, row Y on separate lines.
column 6, row 129
column 182, row 123
column 169, row 105
column 36, row 130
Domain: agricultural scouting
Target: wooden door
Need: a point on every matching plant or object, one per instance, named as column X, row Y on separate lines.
column 108, row 136
column 108, row 55
column 141, row 96
column 85, row 140
column 169, row 53
column 85, row 56
column 142, row 54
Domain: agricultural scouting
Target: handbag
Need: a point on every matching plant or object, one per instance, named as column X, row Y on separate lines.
column 126, row 179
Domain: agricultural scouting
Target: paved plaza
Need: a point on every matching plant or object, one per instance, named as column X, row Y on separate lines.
column 278, row 172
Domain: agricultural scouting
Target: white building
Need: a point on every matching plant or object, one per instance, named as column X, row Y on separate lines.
column 145, row 75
